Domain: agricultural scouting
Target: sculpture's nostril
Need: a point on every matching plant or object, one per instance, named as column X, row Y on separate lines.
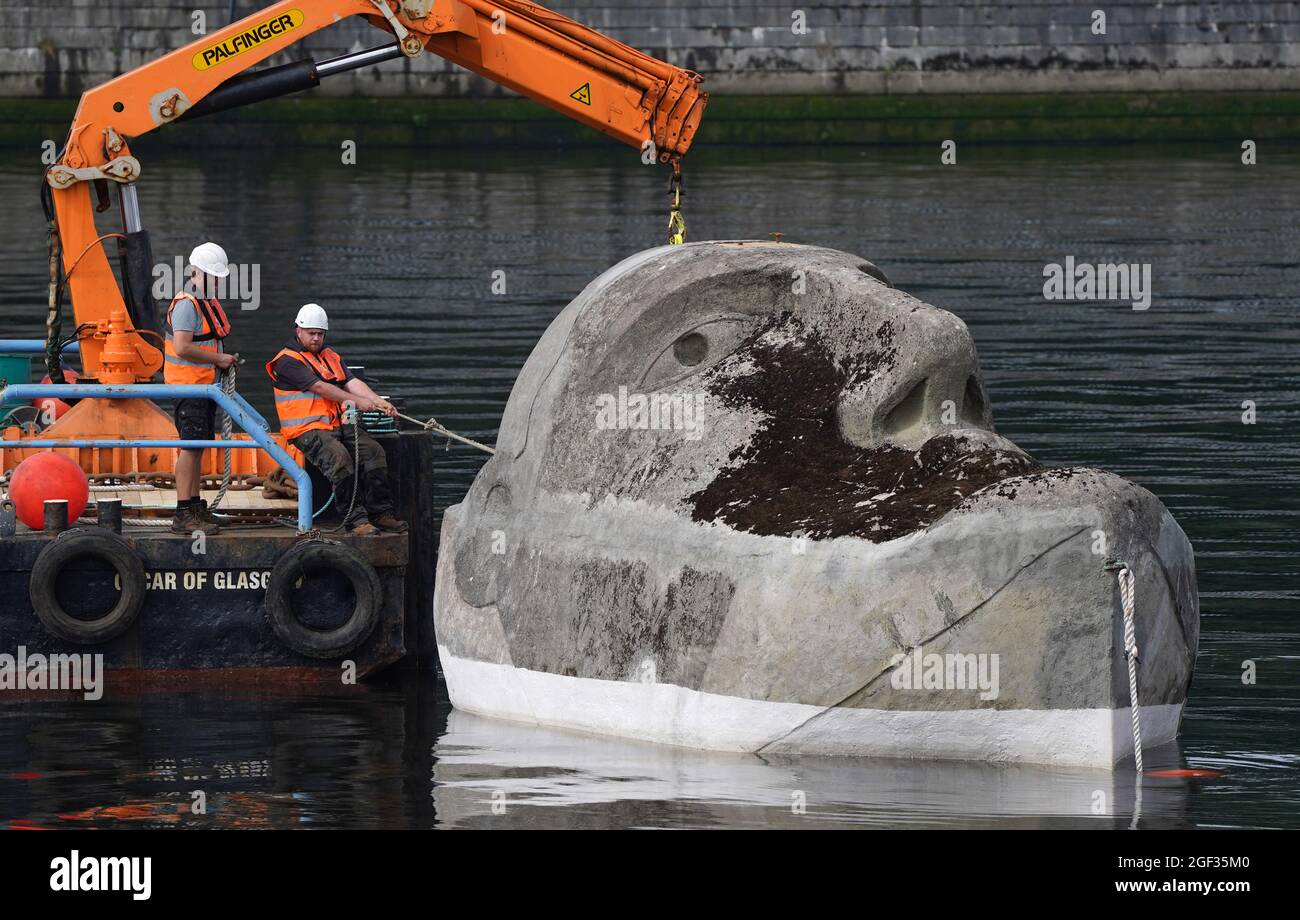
column 929, row 386
column 973, row 407
column 908, row 413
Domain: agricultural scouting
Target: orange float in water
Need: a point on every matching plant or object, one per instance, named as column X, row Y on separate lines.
column 56, row 406
column 47, row 476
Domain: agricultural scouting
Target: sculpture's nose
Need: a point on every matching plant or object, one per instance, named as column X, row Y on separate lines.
column 932, row 386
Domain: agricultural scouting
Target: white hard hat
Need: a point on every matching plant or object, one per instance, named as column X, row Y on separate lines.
column 210, row 259
column 312, row 316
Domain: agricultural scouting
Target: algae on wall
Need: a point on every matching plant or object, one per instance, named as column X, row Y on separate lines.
column 313, row 120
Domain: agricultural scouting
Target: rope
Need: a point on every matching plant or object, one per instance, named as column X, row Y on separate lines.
column 54, row 312
column 433, row 425
column 227, row 432
column 430, row 425
column 133, row 522
column 1125, row 576
column 356, row 475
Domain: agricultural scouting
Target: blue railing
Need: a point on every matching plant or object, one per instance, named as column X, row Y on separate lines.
column 241, row 414
column 31, row 347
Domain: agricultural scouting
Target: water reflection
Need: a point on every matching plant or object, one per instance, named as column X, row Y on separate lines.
column 490, row 773
column 394, row 755
column 351, row 757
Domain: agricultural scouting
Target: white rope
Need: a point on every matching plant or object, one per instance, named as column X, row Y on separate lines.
column 227, row 432
column 1131, row 653
column 133, row 522
column 433, row 425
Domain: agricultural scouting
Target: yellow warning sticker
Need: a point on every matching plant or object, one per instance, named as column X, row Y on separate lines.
column 582, row 94
column 247, row 40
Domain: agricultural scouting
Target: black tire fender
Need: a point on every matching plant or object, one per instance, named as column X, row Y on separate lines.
column 70, row 545
column 323, row 554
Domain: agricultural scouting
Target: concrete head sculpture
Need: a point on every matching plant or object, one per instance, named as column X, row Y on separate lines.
column 748, row 496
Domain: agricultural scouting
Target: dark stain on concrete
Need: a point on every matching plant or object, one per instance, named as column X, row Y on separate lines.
column 797, row 474
column 616, row 620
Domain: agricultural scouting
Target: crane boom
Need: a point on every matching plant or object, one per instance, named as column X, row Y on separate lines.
column 569, row 67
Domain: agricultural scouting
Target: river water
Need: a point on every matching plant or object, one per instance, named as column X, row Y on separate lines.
column 403, row 249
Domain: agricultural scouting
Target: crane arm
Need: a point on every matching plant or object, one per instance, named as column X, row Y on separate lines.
column 554, row 60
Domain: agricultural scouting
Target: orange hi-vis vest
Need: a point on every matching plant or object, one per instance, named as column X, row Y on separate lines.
column 301, row 411
column 215, row 327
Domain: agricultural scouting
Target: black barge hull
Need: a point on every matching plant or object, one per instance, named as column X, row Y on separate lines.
column 204, row 614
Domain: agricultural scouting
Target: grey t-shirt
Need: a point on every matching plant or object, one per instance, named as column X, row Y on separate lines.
column 185, row 318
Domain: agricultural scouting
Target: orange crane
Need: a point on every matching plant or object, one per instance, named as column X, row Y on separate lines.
column 556, row 61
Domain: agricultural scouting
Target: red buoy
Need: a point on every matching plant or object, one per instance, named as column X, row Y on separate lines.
column 56, row 407
column 46, row 476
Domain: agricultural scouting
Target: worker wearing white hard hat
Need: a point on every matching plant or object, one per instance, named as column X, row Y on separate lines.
column 210, row 259
column 313, row 391
column 197, row 327
column 312, row 316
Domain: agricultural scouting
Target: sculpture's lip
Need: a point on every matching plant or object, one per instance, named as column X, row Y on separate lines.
column 980, row 437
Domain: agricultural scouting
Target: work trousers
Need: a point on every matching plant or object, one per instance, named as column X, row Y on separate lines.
column 331, row 453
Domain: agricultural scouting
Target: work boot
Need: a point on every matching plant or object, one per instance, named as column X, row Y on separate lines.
column 364, row 529
column 389, row 522
column 189, row 519
column 206, row 513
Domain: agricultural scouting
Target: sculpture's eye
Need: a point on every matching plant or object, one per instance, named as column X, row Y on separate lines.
column 691, row 349
column 695, row 350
